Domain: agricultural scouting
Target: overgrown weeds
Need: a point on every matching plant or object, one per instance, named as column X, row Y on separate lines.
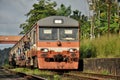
column 101, row 47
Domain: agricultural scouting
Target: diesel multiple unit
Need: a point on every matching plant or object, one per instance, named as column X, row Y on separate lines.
column 52, row 43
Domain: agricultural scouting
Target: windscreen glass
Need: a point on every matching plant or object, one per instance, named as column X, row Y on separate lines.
column 63, row 34
column 48, row 34
column 68, row 34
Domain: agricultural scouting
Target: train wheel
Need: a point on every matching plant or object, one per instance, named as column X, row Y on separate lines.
column 35, row 62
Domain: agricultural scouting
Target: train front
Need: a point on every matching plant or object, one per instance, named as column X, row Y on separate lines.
column 58, row 44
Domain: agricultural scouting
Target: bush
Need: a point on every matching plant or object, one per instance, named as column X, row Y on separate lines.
column 87, row 50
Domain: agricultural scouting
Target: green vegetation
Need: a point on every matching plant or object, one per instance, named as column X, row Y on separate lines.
column 49, row 75
column 101, row 47
column 40, row 10
column 57, row 77
column 42, row 73
column 45, row 8
column 4, row 54
column 33, row 71
column 104, row 72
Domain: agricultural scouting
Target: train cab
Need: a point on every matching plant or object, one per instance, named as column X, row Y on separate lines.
column 58, row 43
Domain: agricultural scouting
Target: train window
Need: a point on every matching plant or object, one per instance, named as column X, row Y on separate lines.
column 34, row 37
column 48, row 33
column 19, row 51
column 68, row 34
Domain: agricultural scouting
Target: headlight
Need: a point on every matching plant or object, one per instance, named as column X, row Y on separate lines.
column 72, row 50
column 44, row 50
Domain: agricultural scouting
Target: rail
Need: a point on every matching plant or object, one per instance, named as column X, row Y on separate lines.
column 26, row 76
column 99, row 76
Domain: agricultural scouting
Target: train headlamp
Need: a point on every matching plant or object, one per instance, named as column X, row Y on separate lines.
column 72, row 50
column 44, row 50
column 58, row 21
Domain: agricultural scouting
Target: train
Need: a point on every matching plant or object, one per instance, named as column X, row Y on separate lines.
column 52, row 43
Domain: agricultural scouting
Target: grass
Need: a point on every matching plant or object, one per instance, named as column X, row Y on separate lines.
column 42, row 73
column 49, row 75
column 102, row 47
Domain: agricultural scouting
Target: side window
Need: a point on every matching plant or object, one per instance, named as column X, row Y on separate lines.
column 34, row 37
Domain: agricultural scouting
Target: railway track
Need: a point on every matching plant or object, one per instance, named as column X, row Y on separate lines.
column 6, row 74
column 92, row 76
column 72, row 75
column 79, row 77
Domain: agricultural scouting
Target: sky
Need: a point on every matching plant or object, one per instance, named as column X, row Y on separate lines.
column 12, row 14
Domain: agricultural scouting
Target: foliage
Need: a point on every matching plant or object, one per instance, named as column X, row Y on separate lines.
column 63, row 10
column 57, row 77
column 40, row 10
column 101, row 47
column 4, row 54
column 84, row 23
column 103, row 17
column 46, row 8
column 87, row 49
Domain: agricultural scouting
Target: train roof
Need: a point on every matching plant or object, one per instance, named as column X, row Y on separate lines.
column 58, row 21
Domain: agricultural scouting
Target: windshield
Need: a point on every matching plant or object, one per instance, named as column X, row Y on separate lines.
column 66, row 34
column 48, row 34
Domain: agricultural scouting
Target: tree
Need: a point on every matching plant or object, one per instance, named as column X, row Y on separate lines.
column 45, row 8
column 102, row 17
column 41, row 10
column 64, row 11
column 84, row 24
column 76, row 15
